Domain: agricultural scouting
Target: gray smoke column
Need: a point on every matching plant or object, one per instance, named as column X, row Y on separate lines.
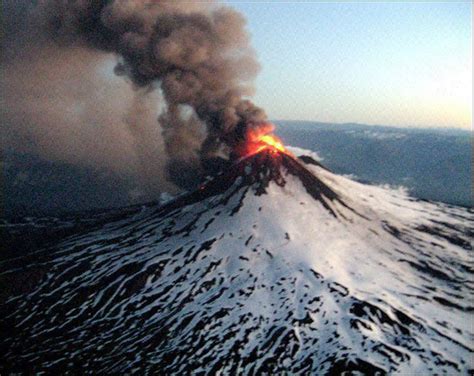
column 197, row 53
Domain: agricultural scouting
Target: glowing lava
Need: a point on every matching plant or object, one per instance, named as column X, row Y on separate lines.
column 273, row 141
column 258, row 139
column 269, row 141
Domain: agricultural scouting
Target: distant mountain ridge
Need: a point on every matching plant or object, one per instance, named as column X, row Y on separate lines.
column 433, row 164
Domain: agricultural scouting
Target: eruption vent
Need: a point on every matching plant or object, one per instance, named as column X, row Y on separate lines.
column 260, row 139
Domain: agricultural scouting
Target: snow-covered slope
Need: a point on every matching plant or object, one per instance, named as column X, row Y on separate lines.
column 277, row 265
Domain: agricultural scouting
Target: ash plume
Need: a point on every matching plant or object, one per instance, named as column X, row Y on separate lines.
column 197, row 55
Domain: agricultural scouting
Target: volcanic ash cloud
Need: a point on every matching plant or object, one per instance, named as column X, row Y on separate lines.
column 197, row 54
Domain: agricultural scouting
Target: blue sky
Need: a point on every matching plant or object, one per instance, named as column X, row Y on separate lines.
column 391, row 63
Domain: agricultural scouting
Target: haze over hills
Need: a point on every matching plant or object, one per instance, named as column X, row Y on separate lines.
column 275, row 265
column 433, row 164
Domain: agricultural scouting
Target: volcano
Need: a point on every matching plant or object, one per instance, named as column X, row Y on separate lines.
column 275, row 266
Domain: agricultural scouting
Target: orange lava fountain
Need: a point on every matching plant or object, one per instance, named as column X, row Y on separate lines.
column 268, row 141
column 260, row 139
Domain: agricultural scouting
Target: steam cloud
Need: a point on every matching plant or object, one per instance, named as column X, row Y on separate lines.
column 196, row 55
